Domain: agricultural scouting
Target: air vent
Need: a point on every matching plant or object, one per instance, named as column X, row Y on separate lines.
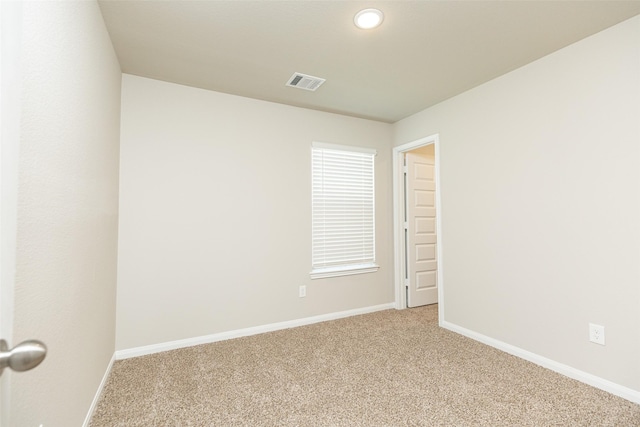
column 303, row 81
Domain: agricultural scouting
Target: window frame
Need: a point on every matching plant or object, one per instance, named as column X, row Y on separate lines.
column 368, row 265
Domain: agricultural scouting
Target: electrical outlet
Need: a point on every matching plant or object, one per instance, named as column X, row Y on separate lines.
column 303, row 291
column 596, row 333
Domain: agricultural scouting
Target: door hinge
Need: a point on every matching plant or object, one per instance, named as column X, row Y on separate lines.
column 406, row 169
column 406, row 225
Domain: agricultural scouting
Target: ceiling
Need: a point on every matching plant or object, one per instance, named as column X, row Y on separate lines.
column 423, row 53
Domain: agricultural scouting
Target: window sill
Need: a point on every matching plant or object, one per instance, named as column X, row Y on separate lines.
column 343, row 270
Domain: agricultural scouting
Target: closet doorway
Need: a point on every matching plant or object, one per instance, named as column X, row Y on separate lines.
column 417, row 222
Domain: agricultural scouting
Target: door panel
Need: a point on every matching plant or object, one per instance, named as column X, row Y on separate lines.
column 422, row 276
column 425, row 252
column 425, row 228
column 424, row 198
column 425, row 280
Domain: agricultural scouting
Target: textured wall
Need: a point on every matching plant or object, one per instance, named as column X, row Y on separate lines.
column 67, row 210
column 215, row 213
column 540, row 181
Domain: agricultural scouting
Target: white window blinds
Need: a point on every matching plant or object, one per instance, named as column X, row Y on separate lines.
column 343, row 214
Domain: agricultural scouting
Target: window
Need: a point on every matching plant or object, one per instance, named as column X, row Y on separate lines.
column 343, row 214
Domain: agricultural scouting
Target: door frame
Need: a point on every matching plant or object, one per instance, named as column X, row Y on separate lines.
column 398, row 221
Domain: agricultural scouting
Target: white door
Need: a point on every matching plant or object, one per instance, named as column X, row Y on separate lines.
column 4, row 291
column 4, row 407
column 17, row 357
column 421, row 263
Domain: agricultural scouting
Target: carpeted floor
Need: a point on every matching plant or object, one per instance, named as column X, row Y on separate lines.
column 390, row 368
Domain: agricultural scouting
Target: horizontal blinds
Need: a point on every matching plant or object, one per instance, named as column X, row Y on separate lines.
column 343, row 221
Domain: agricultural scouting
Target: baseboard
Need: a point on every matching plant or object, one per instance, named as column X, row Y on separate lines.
column 568, row 371
column 173, row 345
column 92, row 408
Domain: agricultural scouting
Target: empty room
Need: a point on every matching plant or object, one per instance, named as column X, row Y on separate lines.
column 319, row 213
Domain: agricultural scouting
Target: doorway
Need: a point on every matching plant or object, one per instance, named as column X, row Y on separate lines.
column 417, row 229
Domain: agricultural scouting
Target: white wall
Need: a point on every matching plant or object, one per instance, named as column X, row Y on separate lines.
column 67, row 210
column 540, row 180
column 215, row 213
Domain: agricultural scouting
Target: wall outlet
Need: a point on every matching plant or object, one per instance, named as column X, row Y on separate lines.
column 303, row 291
column 596, row 333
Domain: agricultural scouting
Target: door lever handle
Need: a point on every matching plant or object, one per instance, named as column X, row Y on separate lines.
column 26, row 355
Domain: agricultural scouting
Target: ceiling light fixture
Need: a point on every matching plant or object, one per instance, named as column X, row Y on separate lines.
column 368, row 19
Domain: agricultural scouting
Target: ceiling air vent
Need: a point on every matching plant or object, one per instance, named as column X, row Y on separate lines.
column 303, row 81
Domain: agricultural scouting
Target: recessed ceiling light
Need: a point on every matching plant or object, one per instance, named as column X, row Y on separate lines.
column 368, row 18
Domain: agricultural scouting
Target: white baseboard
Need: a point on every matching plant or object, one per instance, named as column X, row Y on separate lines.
column 92, row 408
column 189, row 342
column 576, row 374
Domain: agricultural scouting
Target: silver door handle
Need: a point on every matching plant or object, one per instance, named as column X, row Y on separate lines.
column 26, row 355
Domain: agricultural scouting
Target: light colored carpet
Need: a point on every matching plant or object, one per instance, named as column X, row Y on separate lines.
column 390, row 368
